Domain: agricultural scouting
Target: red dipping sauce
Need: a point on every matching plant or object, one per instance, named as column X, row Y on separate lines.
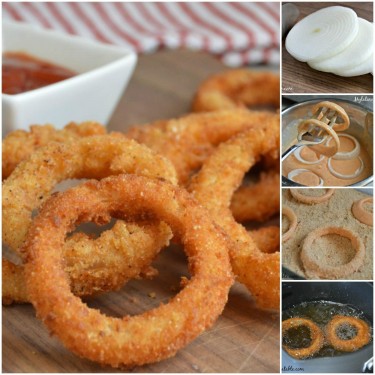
column 23, row 72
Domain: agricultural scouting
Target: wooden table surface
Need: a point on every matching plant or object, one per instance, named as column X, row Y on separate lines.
column 244, row 339
column 298, row 77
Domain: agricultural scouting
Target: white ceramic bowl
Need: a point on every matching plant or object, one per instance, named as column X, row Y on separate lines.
column 103, row 73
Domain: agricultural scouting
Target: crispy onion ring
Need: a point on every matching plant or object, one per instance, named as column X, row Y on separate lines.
column 213, row 187
column 324, row 271
column 350, row 154
column 267, row 238
column 322, row 109
column 92, row 157
column 317, row 337
column 237, row 88
column 298, row 156
column 289, row 213
column 321, row 148
column 311, row 199
column 362, row 337
column 164, row 330
column 360, row 213
column 296, row 172
column 345, row 176
column 19, row 145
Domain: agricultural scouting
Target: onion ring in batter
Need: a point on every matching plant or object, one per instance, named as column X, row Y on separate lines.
column 324, row 271
column 345, row 176
column 318, row 111
column 213, row 187
column 19, row 145
column 91, row 157
column 289, row 213
column 361, row 338
column 297, row 155
column 308, row 199
column 156, row 334
column 237, row 88
column 360, row 213
column 350, row 154
column 296, row 172
column 317, row 337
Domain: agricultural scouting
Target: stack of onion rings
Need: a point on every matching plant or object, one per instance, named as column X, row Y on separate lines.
column 163, row 330
column 317, row 337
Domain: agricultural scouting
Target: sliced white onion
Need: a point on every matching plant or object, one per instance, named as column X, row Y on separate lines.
column 322, row 34
column 298, row 156
column 296, row 172
column 345, row 176
column 350, row 154
column 364, row 68
column 355, row 54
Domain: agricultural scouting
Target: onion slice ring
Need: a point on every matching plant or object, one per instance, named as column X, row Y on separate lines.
column 165, row 329
column 350, row 154
column 318, row 111
column 321, row 270
column 317, row 337
column 298, row 156
column 289, row 213
column 311, row 199
column 296, row 172
column 361, row 339
column 360, row 213
column 345, row 176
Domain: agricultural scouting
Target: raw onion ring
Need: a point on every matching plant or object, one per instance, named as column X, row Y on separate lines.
column 298, row 156
column 298, row 171
column 317, row 270
column 360, row 213
column 361, row 339
column 350, row 154
column 345, row 176
column 289, row 213
column 311, row 199
column 153, row 335
column 317, row 337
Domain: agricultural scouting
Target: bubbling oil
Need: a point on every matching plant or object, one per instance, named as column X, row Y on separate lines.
column 320, row 312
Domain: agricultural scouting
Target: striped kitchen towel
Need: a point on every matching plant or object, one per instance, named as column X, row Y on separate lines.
column 240, row 33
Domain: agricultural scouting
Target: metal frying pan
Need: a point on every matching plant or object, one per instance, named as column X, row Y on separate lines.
column 356, row 294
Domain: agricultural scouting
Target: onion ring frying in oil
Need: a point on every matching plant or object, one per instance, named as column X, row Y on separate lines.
column 156, row 334
column 311, row 199
column 289, row 213
column 314, row 269
column 317, row 337
column 361, row 338
column 237, row 88
column 360, row 213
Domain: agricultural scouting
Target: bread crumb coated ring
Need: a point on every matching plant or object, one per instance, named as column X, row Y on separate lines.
column 289, row 213
column 311, row 199
column 360, row 213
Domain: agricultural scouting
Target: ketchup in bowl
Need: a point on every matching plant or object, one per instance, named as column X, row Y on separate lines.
column 22, row 72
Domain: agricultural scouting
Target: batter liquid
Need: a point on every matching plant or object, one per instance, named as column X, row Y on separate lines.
column 320, row 171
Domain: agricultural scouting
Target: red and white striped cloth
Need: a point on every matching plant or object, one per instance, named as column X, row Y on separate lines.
column 240, row 33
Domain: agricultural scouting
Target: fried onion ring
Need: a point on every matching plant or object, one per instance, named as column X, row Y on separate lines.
column 19, row 145
column 237, row 88
column 267, row 238
column 153, row 335
column 317, row 337
column 311, row 199
column 360, row 213
column 213, row 186
column 92, row 157
column 314, row 269
column 289, row 213
column 361, row 338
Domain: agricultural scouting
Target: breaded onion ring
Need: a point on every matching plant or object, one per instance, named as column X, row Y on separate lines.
column 132, row 340
column 314, row 269
column 289, row 213
column 317, row 337
column 237, row 88
column 213, row 186
column 92, row 157
column 360, row 213
column 361, row 338
column 267, row 238
column 309, row 199
column 19, row 145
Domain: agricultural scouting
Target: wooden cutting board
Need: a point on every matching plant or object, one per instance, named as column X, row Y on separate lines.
column 244, row 339
column 298, row 77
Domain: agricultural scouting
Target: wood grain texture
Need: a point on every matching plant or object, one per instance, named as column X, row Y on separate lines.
column 244, row 339
column 298, row 77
